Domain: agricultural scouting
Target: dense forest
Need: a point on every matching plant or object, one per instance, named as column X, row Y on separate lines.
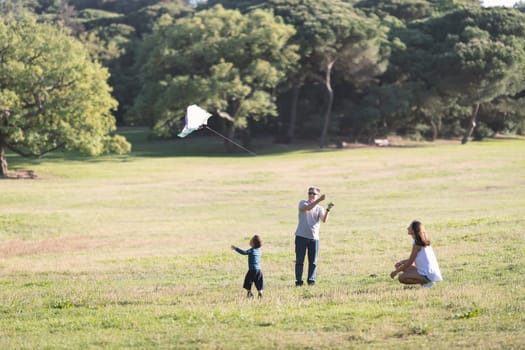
column 326, row 70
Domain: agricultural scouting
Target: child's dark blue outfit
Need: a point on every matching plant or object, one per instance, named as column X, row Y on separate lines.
column 254, row 274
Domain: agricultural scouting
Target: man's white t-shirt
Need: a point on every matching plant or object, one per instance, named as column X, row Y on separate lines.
column 309, row 221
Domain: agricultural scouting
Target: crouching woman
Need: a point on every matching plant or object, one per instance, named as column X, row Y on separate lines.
column 422, row 266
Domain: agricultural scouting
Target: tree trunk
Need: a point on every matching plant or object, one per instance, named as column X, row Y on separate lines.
column 293, row 112
column 247, row 138
column 230, row 133
column 470, row 129
column 434, row 130
column 3, row 165
column 328, row 110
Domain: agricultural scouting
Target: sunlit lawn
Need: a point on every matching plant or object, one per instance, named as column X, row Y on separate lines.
column 133, row 251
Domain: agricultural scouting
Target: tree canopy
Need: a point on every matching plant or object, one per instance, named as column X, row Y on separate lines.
column 334, row 37
column 324, row 69
column 479, row 58
column 52, row 96
column 226, row 62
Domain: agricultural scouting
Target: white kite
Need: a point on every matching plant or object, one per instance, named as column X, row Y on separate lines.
column 197, row 118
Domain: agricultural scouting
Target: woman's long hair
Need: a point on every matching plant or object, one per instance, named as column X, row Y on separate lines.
column 420, row 235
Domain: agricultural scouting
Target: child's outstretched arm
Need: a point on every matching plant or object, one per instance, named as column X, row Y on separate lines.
column 239, row 250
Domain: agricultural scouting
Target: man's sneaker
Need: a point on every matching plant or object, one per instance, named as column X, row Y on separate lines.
column 311, row 283
column 428, row 285
column 298, row 283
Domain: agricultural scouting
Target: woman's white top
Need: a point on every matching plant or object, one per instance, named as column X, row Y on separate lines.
column 427, row 265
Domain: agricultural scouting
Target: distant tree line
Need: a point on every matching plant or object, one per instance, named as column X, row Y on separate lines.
column 328, row 70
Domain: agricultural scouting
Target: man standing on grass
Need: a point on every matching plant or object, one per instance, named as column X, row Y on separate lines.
column 307, row 234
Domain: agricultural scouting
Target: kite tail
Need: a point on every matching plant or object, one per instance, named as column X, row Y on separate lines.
column 235, row 143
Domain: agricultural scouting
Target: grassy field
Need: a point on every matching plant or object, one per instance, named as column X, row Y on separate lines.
column 134, row 252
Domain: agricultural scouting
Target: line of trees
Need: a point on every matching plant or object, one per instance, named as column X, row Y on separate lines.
column 325, row 69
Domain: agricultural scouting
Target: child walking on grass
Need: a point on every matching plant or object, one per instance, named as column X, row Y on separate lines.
column 254, row 274
column 422, row 266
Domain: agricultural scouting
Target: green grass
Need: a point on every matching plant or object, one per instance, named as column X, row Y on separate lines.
column 133, row 252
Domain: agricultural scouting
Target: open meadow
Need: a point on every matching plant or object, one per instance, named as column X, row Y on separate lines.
column 134, row 251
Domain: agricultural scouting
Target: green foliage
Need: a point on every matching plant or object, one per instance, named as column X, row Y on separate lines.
column 96, row 14
column 504, row 115
column 220, row 59
column 475, row 60
column 52, row 97
column 443, row 55
column 413, row 10
column 469, row 314
column 61, row 304
column 336, row 41
column 328, row 28
column 405, row 10
column 109, row 29
column 458, row 60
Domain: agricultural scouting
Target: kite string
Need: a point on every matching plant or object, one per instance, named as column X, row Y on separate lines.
column 224, row 137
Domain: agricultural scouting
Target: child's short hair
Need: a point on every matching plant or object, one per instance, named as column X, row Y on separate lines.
column 257, row 241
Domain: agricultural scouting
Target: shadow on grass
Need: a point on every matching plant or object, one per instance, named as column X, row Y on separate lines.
column 201, row 143
column 198, row 144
